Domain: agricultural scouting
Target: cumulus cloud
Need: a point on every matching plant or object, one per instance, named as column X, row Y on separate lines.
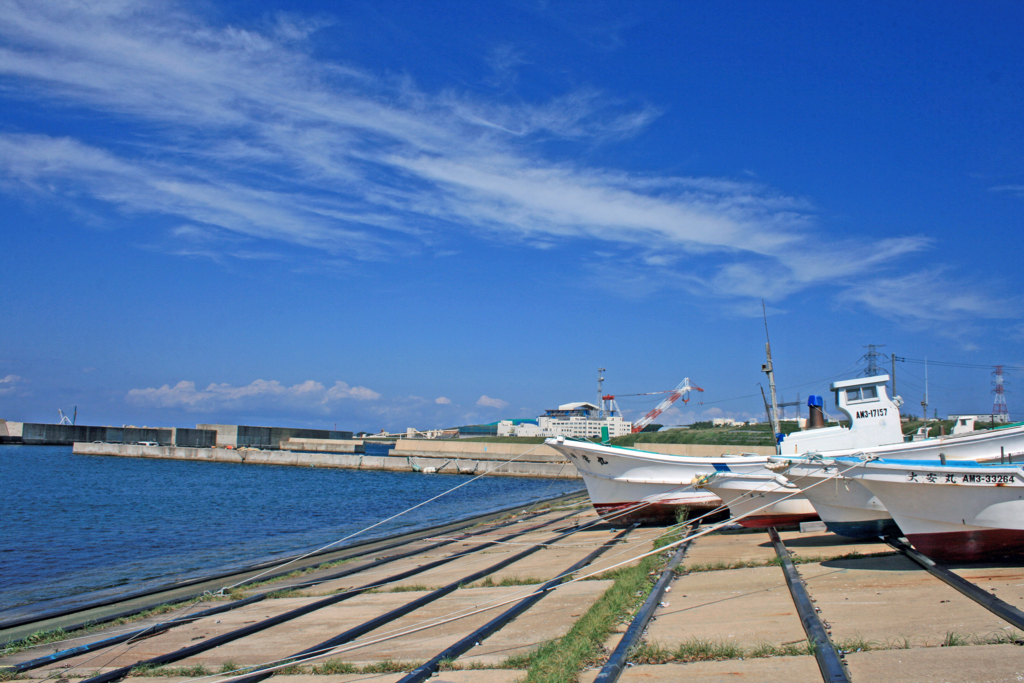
column 486, row 400
column 307, row 394
column 271, row 144
column 441, row 400
column 9, row 383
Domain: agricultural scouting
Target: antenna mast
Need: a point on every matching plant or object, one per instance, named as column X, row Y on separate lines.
column 600, row 399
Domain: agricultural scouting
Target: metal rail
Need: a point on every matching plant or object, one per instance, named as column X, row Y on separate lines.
column 425, row 671
column 832, row 668
column 612, row 669
column 341, row 553
column 1001, row 609
column 375, row 623
column 209, row 644
column 167, row 625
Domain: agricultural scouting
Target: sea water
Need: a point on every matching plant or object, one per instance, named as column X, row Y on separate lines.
column 75, row 528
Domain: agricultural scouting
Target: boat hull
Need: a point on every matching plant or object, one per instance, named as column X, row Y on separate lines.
column 643, row 512
column 762, row 501
column 954, row 513
column 845, row 505
column 970, row 545
column 632, row 486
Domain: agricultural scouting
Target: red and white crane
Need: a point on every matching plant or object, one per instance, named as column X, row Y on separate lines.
column 680, row 392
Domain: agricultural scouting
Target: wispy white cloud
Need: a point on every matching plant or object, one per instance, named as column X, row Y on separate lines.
column 489, row 402
column 1012, row 189
column 9, row 383
column 308, row 394
column 441, row 400
column 268, row 143
column 931, row 299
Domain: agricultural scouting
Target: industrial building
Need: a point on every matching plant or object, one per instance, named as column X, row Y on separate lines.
column 579, row 420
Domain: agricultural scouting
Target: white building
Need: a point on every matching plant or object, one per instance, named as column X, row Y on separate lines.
column 998, row 418
column 579, row 420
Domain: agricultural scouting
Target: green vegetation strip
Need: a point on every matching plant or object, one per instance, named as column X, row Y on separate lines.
column 709, row 650
column 561, row 660
column 59, row 634
column 721, row 565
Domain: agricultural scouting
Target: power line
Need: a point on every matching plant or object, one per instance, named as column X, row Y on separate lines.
column 904, row 359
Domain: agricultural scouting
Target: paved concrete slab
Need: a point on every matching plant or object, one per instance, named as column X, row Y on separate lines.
column 966, row 664
column 747, row 607
column 767, row 670
column 551, row 618
column 457, row 568
column 474, row 676
column 715, row 548
column 757, row 547
column 826, row 544
column 1006, row 583
column 890, row 600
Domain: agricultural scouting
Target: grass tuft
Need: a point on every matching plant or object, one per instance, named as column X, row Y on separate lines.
column 411, row 588
column 149, row 671
column 562, row 659
column 489, row 582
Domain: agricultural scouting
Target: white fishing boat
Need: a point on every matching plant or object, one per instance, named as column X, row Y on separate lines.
column 655, row 486
column 632, row 485
column 952, row 511
column 845, row 506
column 849, row 509
column 759, row 499
column 874, row 421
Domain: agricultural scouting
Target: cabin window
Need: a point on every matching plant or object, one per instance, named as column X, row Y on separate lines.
column 870, row 392
column 853, row 394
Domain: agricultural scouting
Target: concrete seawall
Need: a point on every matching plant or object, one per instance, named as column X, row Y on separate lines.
column 480, row 450
column 445, row 448
column 323, row 446
column 393, row 463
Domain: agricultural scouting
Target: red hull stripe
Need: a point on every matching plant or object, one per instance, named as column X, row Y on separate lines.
column 971, row 546
column 654, row 513
column 765, row 521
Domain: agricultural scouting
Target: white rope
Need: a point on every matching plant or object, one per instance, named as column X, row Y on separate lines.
column 372, row 526
column 455, row 616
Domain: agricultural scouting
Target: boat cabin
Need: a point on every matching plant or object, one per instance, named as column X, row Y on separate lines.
column 874, row 420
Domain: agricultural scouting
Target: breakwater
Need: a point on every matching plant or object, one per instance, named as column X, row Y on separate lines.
column 408, row 456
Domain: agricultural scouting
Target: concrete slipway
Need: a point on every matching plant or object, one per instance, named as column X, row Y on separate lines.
column 872, row 599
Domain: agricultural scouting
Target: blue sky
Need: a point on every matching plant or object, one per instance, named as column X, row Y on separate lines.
column 393, row 214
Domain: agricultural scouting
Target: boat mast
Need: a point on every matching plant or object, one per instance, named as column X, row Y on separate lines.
column 924, row 403
column 767, row 369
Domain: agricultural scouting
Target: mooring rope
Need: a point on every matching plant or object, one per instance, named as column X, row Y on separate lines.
column 462, row 614
column 373, row 526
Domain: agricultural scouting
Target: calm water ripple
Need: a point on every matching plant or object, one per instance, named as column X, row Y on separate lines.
column 77, row 527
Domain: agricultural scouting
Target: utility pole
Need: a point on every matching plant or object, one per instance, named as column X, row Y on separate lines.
column 600, row 401
column 767, row 369
column 924, row 403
